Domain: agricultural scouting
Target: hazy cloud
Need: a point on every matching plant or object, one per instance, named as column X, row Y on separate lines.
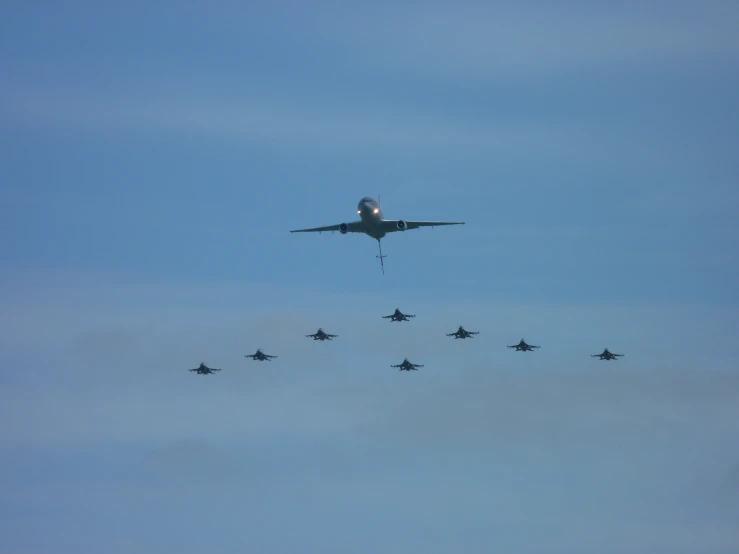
column 488, row 42
column 569, row 137
column 636, row 449
column 303, row 125
column 105, row 363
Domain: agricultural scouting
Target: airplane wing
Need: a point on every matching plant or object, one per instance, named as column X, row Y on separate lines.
column 353, row 227
column 391, row 225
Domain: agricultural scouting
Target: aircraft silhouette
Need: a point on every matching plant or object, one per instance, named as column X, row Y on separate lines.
column 398, row 316
column 320, row 335
column 204, row 370
column 260, row 356
column 462, row 334
column 405, row 365
column 373, row 223
column 606, row 355
column 523, row 347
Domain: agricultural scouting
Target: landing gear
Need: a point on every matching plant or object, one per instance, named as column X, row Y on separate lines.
column 381, row 256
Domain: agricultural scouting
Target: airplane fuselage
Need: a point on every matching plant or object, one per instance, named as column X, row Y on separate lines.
column 371, row 215
column 372, row 223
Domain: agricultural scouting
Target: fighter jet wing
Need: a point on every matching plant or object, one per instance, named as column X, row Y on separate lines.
column 391, row 225
column 353, row 227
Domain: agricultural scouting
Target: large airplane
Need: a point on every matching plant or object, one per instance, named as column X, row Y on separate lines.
column 374, row 224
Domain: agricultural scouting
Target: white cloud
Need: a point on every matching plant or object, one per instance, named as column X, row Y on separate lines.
column 486, row 42
column 290, row 125
column 296, row 124
column 113, row 359
column 636, row 451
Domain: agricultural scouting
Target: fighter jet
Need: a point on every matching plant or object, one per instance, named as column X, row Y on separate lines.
column 204, row 369
column 523, row 347
column 606, row 355
column 407, row 366
column 373, row 223
column 260, row 356
column 398, row 316
column 462, row 334
column 320, row 335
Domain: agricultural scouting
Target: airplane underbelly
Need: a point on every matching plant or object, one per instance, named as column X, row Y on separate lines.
column 372, row 224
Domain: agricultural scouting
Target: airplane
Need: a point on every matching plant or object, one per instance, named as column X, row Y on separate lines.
column 373, row 223
column 398, row 316
column 523, row 347
column 260, row 356
column 462, row 334
column 320, row 335
column 407, row 366
column 606, row 355
column 204, row 369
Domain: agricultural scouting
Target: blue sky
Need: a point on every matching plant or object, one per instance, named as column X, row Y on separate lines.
column 154, row 159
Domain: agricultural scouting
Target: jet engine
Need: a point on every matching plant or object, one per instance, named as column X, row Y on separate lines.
column 401, row 225
column 343, row 228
